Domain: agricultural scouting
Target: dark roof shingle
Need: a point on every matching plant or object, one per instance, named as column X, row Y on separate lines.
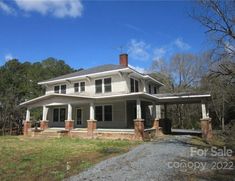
column 102, row 68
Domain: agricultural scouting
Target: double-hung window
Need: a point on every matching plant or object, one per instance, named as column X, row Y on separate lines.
column 107, row 85
column 82, row 86
column 79, row 87
column 57, row 89
column 103, row 85
column 98, row 86
column 76, row 87
column 63, row 89
column 150, row 89
column 134, row 85
column 60, row 89
column 155, row 90
column 59, row 115
column 103, row 113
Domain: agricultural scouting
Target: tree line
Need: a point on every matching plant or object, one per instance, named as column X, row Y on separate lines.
column 18, row 83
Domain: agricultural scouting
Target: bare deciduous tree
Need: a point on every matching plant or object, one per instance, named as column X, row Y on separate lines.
column 218, row 17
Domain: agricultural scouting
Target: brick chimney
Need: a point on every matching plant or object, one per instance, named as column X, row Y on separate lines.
column 123, row 59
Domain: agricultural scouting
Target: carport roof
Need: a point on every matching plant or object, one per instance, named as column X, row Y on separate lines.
column 182, row 98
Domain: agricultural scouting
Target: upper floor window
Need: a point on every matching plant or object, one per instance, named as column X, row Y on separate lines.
column 103, row 84
column 76, row 87
column 150, row 89
column 57, row 89
column 155, row 90
column 134, row 85
column 60, row 89
column 98, row 86
column 107, row 85
column 63, row 89
column 82, row 86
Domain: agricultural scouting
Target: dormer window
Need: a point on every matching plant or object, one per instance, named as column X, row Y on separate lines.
column 60, row 89
column 134, row 85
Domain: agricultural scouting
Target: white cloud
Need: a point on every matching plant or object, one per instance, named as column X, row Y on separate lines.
column 56, row 8
column 8, row 57
column 159, row 53
column 179, row 43
column 139, row 69
column 138, row 50
column 7, row 9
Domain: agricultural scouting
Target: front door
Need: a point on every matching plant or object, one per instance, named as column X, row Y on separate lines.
column 79, row 117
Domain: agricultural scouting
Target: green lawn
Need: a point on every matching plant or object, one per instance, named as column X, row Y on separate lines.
column 53, row 159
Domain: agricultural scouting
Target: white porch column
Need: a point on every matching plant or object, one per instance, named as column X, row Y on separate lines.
column 27, row 115
column 158, row 111
column 69, row 112
column 138, row 109
column 44, row 113
column 204, row 112
column 92, row 111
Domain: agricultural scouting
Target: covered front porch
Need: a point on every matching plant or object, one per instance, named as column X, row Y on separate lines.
column 132, row 116
column 112, row 116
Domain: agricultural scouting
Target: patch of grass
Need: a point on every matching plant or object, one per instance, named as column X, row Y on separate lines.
column 53, row 159
column 199, row 142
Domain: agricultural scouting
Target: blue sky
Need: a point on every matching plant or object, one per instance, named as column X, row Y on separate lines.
column 89, row 33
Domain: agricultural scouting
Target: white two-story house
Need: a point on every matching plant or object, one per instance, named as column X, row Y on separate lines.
column 107, row 96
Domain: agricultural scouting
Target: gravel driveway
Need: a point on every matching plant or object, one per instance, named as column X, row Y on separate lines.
column 147, row 161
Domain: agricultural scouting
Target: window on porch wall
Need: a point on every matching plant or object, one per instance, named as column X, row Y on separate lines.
column 108, row 113
column 59, row 115
column 99, row 113
column 103, row 113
